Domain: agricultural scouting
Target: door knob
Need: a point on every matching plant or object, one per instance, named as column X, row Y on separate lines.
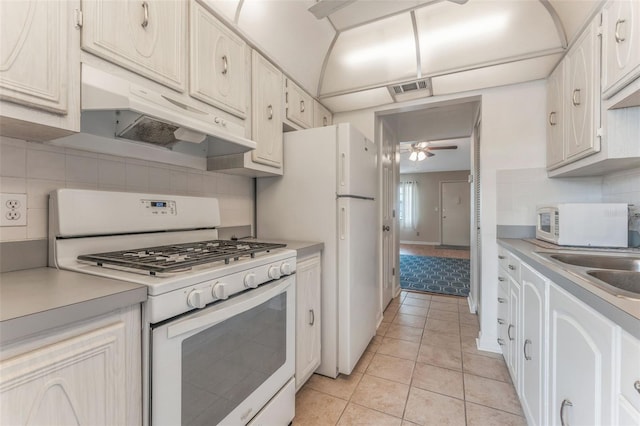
column 386, row 228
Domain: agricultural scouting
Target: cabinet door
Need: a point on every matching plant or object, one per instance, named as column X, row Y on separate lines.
column 555, row 117
column 580, row 357
column 267, row 112
column 532, row 348
column 147, row 37
column 218, row 63
column 39, row 68
column 80, row 381
column 322, row 116
column 620, row 44
column 299, row 105
column 308, row 319
column 582, row 97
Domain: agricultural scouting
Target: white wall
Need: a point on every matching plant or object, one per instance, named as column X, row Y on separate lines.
column 513, row 136
column 36, row 169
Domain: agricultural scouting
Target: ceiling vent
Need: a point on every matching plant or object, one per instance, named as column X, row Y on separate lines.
column 411, row 89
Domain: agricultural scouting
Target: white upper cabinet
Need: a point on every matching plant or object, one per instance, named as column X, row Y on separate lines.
column 267, row 112
column 620, row 44
column 555, row 117
column 39, row 70
column 148, row 37
column 582, row 96
column 299, row 105
column 219, row 62
column 322, row 116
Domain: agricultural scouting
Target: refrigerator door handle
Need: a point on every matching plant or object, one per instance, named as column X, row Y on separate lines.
column 343, row 220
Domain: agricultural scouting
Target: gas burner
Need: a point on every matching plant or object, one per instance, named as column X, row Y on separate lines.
column 178, row 257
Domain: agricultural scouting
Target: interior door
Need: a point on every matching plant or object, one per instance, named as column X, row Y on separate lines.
column 456, row 213
column 388, row 203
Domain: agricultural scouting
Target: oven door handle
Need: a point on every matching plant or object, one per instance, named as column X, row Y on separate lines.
column 229, row 308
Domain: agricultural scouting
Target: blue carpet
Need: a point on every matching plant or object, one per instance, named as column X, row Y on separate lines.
column 435, row 274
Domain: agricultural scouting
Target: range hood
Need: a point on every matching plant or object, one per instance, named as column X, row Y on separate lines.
column 139, row 122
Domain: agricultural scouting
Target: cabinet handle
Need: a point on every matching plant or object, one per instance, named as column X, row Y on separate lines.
column 565, row 403
column 524, row 349
column 145, row 20
column 619, row 39
column 509, row 332
column 270, row 112
column 225, row 65
column 325, row 121
column 501, row 257
column 502, row 300
column 501, row 279
column 312, row 317
column 500, row 341
column 552, row 118
column 500, row 321
column 301, row 106
column 513, row 268
column 575, row 97
column 636, row 386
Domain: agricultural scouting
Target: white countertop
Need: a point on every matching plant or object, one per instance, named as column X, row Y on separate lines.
column 622, row 311
column 34, row 300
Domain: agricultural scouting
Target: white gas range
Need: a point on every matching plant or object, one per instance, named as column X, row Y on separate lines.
column 219, row 331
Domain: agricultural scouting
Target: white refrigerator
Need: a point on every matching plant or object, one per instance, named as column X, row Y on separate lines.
column 329, row 193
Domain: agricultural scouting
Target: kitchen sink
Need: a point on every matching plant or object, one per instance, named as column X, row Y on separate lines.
column 627, row 281
column 620, row 263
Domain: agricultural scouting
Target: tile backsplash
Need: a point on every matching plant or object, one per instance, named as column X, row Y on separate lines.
column 37, row 169
column 520, row 192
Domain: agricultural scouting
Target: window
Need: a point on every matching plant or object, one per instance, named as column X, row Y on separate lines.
column 407, row 203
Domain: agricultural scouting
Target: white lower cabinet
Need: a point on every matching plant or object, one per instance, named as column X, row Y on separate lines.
column 533, row 345
column 629, row 381
column 581, row 345
column 570, row 365
column 308, row 317
column 85, row 375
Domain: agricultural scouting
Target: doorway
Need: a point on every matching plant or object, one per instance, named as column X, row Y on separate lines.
column 442, row 123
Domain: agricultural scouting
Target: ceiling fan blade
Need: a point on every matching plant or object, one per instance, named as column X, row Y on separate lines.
column 430, row 154
column 443, row 147
column 324, row 8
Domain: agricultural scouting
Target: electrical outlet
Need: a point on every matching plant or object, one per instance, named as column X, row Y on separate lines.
column 14, row 209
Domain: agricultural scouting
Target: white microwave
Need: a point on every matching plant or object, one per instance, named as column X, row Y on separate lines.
column 584, row 224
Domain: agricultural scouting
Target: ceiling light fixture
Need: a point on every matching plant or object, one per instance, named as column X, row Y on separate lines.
column 421, row 156
column 324, row 8
column 469, row 29
column 413, row 156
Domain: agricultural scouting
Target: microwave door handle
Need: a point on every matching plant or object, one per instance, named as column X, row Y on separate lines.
column 227, row 310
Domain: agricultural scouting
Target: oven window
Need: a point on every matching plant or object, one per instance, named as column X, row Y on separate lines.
column 225, row 363
column 545, row 222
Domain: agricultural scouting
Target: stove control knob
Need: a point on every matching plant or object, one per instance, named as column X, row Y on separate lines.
column 274, row 273
column 220, row 291
column 196, row 299
column 285, row 268
column 250, row 280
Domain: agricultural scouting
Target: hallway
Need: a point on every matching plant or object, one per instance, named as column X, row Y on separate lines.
column 422, row 368
column 435, row 251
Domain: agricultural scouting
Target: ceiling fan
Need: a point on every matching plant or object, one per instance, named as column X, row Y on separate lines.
column 422, row 150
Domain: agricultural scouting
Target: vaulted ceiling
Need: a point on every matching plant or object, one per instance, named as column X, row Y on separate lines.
column 354, row 56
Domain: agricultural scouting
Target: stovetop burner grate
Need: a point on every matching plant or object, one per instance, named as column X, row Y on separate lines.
column 178, row 257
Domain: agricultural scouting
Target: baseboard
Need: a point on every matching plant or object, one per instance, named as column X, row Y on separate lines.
column 420, row 243
column 473, row 308
column 488, row 344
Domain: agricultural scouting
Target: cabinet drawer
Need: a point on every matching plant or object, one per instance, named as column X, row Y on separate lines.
column 503, row 258
column 513, row 267
column 630, row 369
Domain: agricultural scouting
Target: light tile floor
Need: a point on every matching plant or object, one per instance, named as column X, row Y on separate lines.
column 422, row 368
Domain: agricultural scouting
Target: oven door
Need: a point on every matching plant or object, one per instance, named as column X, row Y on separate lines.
column 222, row 364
